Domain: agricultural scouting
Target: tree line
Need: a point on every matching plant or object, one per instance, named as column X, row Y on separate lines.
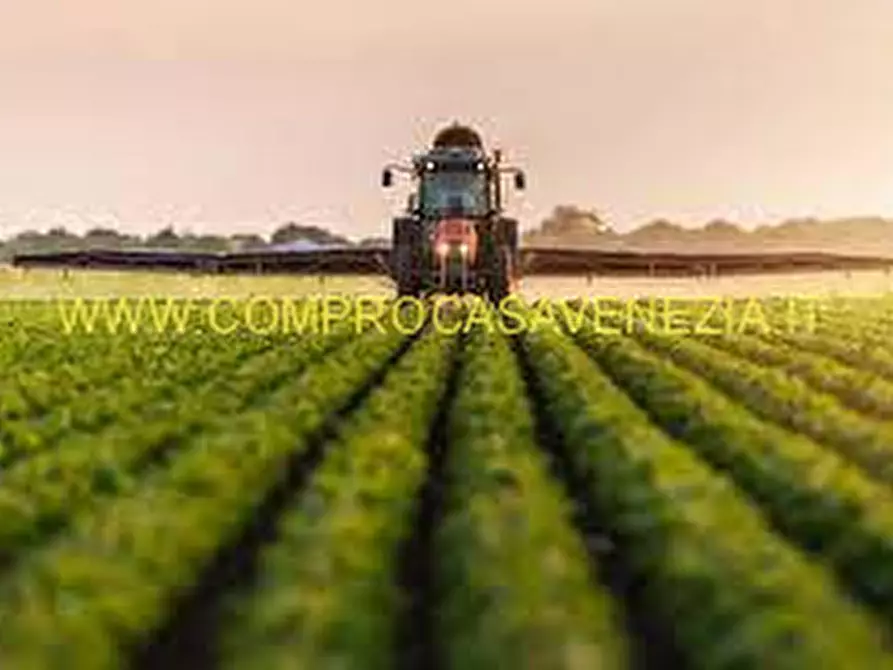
column 566, row 225
column 60, row 239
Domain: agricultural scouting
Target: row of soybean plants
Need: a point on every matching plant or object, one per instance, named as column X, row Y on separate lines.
column 87, row 383
column 516, row 589
column 92, row 392
column 40, row 494
column 61, row 368
column 730, row 589
column 858, row 389
column 775, row 395
column 859, row 319
column 512, row 586
column 100, row 587
column 868, row 356
column 853, row 336
column 28, row 332
column 837, row 404
column 812, row 494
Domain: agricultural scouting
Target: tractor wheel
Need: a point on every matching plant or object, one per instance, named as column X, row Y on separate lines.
column 406, row 257
column 508, row 239
column 503, row 260
column 499, row 280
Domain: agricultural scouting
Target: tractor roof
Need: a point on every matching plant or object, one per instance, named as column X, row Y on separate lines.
column 458, row 136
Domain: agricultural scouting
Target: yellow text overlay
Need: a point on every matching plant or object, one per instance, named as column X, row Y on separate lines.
column 447, row 314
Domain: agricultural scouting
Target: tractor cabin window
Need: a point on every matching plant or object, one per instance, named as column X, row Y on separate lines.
column 457, row 192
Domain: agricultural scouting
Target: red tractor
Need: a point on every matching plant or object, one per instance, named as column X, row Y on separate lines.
column 453, row 237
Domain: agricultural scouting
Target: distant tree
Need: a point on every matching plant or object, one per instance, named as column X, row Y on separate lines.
column 164, row 238
column 99, row 233
column 59, row 239
column 661, row 227
column 658, row 232
column 60, row 233
column 203, row 243
column 572, row 220
column 25, row 242
column 28, row 236
column 107, row 238
column 795, row 228
column 571, row 224
column 292, row 232
column 246, row 242
column 721, row 230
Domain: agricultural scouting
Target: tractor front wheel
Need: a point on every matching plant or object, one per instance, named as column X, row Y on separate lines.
column 499, row 281
column 406, row 257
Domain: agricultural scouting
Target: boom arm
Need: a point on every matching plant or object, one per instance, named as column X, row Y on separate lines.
column 387, row 174
column 520, row 180
column 499, row 170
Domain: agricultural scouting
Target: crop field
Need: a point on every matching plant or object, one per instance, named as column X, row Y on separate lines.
column 562, row 497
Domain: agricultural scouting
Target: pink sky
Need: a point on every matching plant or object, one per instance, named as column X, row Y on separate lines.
column 236, row 115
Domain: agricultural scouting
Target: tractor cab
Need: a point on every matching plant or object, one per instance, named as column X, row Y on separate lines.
column 454, row 193
column 453, row 184
column 453, row 237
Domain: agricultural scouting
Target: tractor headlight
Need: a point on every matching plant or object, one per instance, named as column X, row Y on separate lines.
column 463, row 249
column 429, row 166
column 443, row 249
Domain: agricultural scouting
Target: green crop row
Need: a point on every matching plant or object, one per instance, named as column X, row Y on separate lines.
column 327, row 595
column 62, row 370
column 774, row 395
column 733, row 593
column 30, row 334
column 57, row 368
column 863, row 355
column 89, row 387
column 860, row 390
column 40, row 494
column 513, row 573
column 868, row 322
column 96, row 405
column 812, row 494
column 110, row 581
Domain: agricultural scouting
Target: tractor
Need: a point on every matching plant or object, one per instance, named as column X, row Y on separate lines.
column 453, row 237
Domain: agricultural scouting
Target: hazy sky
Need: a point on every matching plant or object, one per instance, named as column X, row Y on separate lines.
column 235, row 115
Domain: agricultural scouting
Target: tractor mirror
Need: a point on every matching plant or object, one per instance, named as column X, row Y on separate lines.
column 520, row 181
column 387, row 178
